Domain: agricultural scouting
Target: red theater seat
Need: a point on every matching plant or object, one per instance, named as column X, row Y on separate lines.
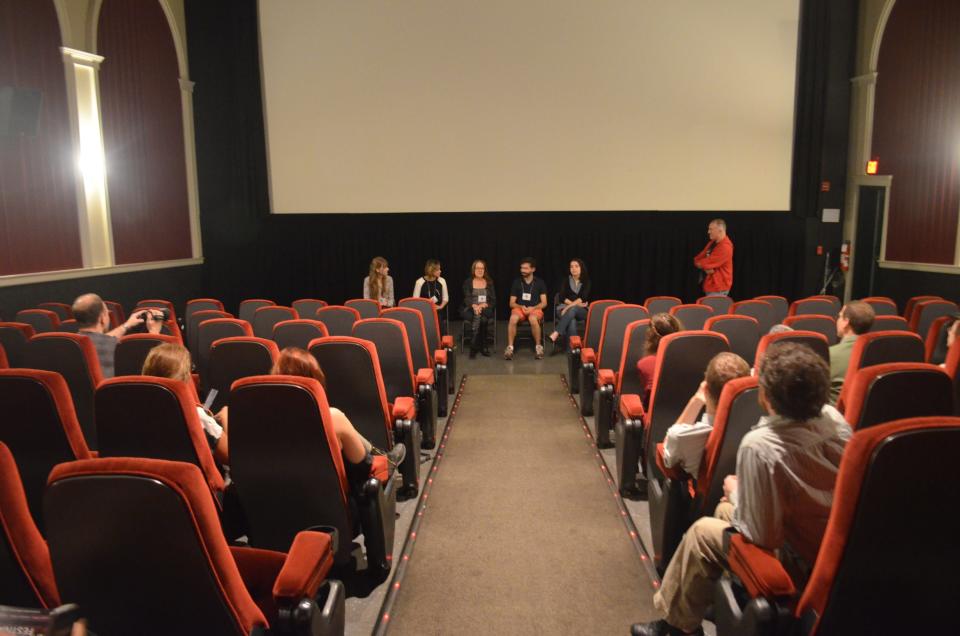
column 661, row 304
column 251, row 305
column 889, row 323
column 692, row 316
column 40, row 427
column 13, row 338
column 132, row 351
column 307, row 307
column 814, row 306
column 423, row 356
column 895, row 391
column 137, row 544
column 42, row 320
column 312, row 489
column 825, row 325
column 27, row 579
column 63, row 310
column 877, row 348
column 607, row 355
column 208, row 332
column 925, row 312
column 161, row 304
column 298, row 333
column 366, row 307
column 882, row 306
column 781, row 306
column 719, row 304
column 338, row 319
column 265, row 318
column 612, row 383
column 193, row 328
column 912, row 302
column 435, row 340
column 816, row 341
column 235, row 358
column 742, row 332
column 590, row 340
column 852, row 591
column 761, row 310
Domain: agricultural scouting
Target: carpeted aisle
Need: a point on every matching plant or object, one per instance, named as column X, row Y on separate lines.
column 520, row 534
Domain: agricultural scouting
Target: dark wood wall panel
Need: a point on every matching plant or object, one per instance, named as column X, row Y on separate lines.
column 143, row 133
column 39, row 229
column 917, row 128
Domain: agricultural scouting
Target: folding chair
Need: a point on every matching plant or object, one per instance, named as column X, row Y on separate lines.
column 338, row 319
column 816, row 341
column 850, row 590
column 13, row 338
column 400, row 377
column 759, row 309
column 366, row 307
column 607, row 357
column 250, row 306
column 265, row 318
column 591, row 340
column 435, row 341
column 74, row 357
column 661, row 304
column 40, row 427
column 692, row 316
column 682, row 359
column 42, row 320
column 27, row 579
column 896, row 390
column 238, row 357
column 312, row 489
column 742, row 332
column 105, row 515
column 298, row 333
column 132, row 351
column 681, row 498
column 354, row 385
column 819, row 323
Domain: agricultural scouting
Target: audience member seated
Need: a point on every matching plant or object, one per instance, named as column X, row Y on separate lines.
column 855, row 319
column 378, row 285
column 945, row 340
column 780, row 328
column 173, row 361
column 574, row 293
column 479, row 300
column 788, row 465
column 431, row 285
column 660, row 325
column 93, row 321
column 357, row 451
column 684, row 443
column 528, row 297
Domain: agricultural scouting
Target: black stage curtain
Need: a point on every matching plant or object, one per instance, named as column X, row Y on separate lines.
column 631, row 255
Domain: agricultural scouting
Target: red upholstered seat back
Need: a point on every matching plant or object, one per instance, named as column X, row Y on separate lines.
column 897, row 390
column 812, row 339
column 634, row 341
column 882, row 306
column 132, row 351
column 661, row 304
column 912, row 302
column 908, row 590
column 431, row 319
column 338, row 319
column 142, row 416
column 877, row 348
column 393, row 351
column 26, row 576
column 924, row 313
column 149, row 530
column 742, row 332
column 307, row 307
column 42, row 320
column 74, row 357
column 251, row 305
column 594, row 325
column 13, row 338
column 615, row 321
column 193, row 328
column 264, row 319
column 366, row 307
column 816, row 306
column 825, row 325
column 889, row 323
column 781, row 306
column 719, row 304
column 416, row 334
column 63, row 310
column 235, row 358
column 692, row 316
column 759, row 309
column 40, row 427
column 298, row 333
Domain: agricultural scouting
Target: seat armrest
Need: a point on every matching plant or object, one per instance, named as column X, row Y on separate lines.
column 606, row 376
column 675, row 473
column 308, row 561
column 404, row 409
column 440, row 356
column 759, row 569
column 631, row 406
column 380, row 468
column 588, row 356
column 446, row 342
column 424, row 376
column 575, row 343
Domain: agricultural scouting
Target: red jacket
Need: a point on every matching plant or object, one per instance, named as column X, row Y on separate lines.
column 721, row 262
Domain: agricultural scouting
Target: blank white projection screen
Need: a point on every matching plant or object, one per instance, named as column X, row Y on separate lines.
column 528, row 105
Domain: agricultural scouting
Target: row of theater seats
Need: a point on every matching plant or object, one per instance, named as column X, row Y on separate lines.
column 898, row 405
column 286, row 469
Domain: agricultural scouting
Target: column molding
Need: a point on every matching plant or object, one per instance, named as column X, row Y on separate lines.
column 190, row 152
column 93, row 206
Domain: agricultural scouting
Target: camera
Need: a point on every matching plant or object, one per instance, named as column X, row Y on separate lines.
column 157, row 314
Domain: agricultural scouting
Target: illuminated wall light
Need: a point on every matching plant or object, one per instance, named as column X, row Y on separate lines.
column 873, row 166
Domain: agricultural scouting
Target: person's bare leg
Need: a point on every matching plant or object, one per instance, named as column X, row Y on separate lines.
column 355, row 447
column 512, row 329
column 535, row 329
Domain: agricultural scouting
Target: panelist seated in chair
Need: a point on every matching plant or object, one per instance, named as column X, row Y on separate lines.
column 787, row 468
column 855, row 319
column 660, row 325
column 173, row 361
column 574, row 292
column 432, row 286
column 528, row 297
column 357, row 451
column 378, row 285
column 685, row 441
column 479, row 300
column 93, row 321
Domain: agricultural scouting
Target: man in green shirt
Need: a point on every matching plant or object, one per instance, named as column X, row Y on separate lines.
column 855, row 319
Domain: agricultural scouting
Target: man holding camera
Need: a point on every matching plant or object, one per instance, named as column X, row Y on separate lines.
column 93, row 321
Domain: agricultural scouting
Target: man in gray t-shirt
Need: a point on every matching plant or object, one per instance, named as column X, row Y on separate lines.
column 93, row 321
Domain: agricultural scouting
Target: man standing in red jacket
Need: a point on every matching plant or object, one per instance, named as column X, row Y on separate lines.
column 716, row 260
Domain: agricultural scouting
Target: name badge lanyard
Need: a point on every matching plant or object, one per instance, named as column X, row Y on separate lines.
column 526, row 295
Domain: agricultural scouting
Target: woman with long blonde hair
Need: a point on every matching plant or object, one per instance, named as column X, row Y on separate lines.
column 479, row 300
column 378, row 284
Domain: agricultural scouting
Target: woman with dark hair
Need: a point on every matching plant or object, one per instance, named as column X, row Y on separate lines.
column 660, row 325
column 173, row 361
column 354, row 446
column 479, row 299
column 574, row 295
